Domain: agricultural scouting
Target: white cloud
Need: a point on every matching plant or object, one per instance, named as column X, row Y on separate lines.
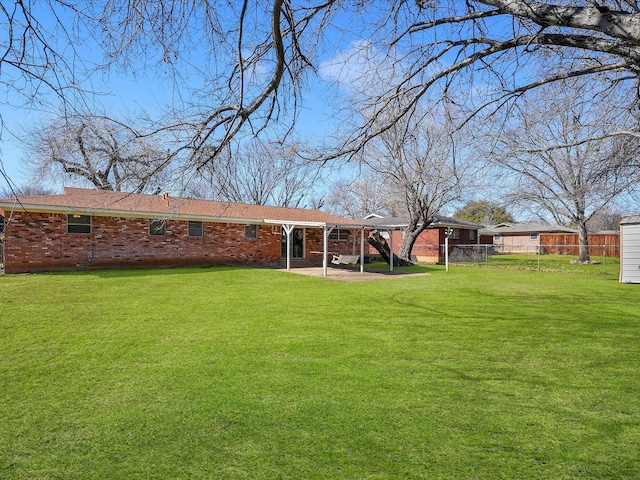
column 361, row 66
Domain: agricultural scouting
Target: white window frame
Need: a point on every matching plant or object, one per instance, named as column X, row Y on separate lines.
column 71, row 224
column 339, row 235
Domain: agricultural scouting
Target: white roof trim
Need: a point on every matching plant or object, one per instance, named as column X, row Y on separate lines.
column 316, row 224
column 294, row 222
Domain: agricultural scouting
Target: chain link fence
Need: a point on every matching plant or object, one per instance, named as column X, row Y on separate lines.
column 604, row 259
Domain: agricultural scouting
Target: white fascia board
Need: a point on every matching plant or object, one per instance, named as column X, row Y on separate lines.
column 297, row 223
column 294, row 222
column 22, row 207
column 385, row 227
column 348, row 226
column 433, row 226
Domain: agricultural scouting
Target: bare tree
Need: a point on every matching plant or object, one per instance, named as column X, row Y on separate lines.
column 368, row 194
column 38, row 52
column 231, row 61
column 420, row 163
column 606, row 219
column 257, row 172
column 566, row 162
column 100, row 151
column 485, row 54
column 25, row 191
column 254, row 56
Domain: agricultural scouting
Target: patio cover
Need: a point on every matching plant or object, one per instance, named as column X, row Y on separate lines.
column 327, row 228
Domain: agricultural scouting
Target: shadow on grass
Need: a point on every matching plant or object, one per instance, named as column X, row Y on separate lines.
column 149, row 271
column 418, row 268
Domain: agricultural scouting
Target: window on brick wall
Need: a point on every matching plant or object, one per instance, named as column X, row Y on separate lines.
column 251, row 232
column 157, row 228
column 339, row 234
column 78, row 223
column 195, row 229
column 473, row 235
column 455, row 234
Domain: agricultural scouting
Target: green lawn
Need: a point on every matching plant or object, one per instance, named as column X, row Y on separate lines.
column 607, row 266
column 237, row 373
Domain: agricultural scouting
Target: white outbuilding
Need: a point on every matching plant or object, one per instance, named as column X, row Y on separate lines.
column 630, row 248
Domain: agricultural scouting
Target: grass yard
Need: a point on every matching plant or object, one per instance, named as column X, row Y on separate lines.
column 240, row 373
column 606, row 266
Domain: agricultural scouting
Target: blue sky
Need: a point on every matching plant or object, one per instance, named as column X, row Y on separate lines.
column 150, row 89
column 126, row 93
column 146, row 87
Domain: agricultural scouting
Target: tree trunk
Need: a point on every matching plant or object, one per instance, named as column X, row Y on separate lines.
column 378, row 242
column 583, row 243
column 411, row 234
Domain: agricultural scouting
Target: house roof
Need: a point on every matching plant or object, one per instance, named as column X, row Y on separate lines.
column 107, row 203
column 394, row 223
column 525, row 228
column 630, row 219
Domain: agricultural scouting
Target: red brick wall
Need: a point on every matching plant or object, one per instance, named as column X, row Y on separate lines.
column 427, row 246
column 314, row 239
column 39, row 242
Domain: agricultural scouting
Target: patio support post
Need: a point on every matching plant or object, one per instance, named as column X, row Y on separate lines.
column 446, row 252
column 447, row 234
column 354, row 233
column 288, row 229
column 325, row 248
column 362, row 250
column 391, row 250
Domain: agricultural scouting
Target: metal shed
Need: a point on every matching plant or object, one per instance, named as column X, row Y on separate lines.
column 630, row 248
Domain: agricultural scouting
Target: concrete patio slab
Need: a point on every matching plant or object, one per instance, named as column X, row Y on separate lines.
column 352, row 275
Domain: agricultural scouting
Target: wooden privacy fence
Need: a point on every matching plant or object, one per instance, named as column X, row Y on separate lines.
column 603, row 244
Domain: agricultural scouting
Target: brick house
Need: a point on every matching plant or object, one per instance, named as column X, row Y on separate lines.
column 84, row 228
column 429, row 247
column 521, row 237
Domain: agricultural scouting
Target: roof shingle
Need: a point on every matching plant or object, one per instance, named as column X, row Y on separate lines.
column 101, row 202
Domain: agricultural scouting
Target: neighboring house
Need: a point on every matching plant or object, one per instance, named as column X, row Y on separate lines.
column 519, row 237
column 630, row 248
column 429, row 245
column 101, row 229
column 1, row 239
